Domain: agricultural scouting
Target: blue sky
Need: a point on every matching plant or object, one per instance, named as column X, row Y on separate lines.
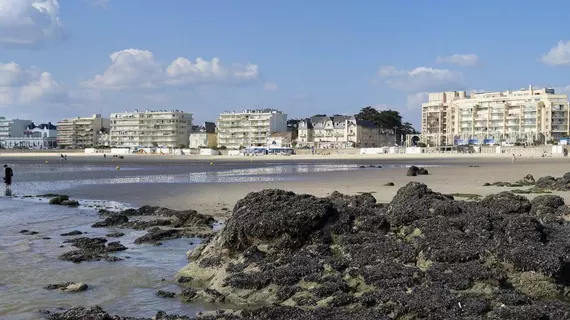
column 78, row 57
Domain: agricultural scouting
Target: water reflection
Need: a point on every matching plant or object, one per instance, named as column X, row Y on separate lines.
column 216, row 175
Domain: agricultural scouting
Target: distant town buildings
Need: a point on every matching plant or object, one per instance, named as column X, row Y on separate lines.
column 80, row 132
column 280, row 140
column 203, row 136
column 158, row 128
column 249, row 127
column 42, row 136
column 12, row 127
column 524, row 116
column 342, row 132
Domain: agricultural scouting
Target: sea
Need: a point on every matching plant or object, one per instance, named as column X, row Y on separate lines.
column 128, row 287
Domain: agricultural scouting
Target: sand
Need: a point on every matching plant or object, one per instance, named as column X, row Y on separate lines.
column 459, row 178
column 455, row 177
column 82, row 157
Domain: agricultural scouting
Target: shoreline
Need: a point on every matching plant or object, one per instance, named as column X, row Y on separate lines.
column 266, row 158
column 211, row 198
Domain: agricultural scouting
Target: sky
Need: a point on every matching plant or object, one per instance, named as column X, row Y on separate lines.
column 72, row 58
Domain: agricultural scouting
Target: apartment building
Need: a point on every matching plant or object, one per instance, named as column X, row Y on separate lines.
column 203, row 136
column 144, row 129
column 43, row 136
column 249, row 127
column 524, row 116
column 342, row 132
column 12, row 127
column 80, row 132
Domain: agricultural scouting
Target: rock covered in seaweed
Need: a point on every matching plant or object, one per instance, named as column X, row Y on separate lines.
column 92, row 249
column 425, row 255
column 416, row 171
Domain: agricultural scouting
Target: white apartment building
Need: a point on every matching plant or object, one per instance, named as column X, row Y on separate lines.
column 80, row 132
column 145, row 129
column 12, row 127
column 42, row 136
column 523, row 116
column 249, row 127
column 342, row 132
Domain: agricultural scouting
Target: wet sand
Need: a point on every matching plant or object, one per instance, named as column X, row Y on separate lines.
column 456, row 176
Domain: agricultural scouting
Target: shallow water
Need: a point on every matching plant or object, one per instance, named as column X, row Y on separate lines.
column 28, row 263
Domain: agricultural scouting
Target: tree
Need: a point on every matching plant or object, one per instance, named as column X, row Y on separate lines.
column 407, row 128
column 385, row 119
column 319, row 115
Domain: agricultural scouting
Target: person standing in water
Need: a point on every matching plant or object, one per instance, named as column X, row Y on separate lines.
column 8, row 174
column 514, row 159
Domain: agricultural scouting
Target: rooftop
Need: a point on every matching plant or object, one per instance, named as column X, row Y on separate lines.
column 253, row 111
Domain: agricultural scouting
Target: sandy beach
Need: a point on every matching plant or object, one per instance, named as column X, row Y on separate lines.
column 459, row 178
column 456, row 173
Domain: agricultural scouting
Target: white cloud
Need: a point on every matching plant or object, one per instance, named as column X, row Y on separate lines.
column 30, row 23
column 415, row 100
column 388, row 71
column 424, row 79
column 269, row 86
column 30, row 86
column 138, row 69
column 559, row 55
column 464, row 60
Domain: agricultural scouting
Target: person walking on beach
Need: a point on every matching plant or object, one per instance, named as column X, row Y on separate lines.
column 8, row 174
column 514, row 159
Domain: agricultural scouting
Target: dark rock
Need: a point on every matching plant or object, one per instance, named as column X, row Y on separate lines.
column 188, row 294
column 274, row 215
column 71, row 233
column 389, row 184
column 422, row 172
column 546, row 204
column 423, row 256
column 412, row 171
column 155, row 235
column 113, row 220
column 28, row 232
column 165, row 294
column 58, row 285
column 184, row 279
column 115, row 234
column 115, row 246
column 91, row 249
column 57, row 200
column 67, row 287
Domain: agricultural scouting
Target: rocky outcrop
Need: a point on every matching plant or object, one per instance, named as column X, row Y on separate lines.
column 71, row 233
column 97, row 313
column 423, row 256
column 62, row 200
column 114, row 234
column 92, row 249
column 165, row 294
column 186, row 223
column 28, row 232
column 67, row 287
column 155, row 235
column 416, row 171
column 547, row 183
column 557, row 184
